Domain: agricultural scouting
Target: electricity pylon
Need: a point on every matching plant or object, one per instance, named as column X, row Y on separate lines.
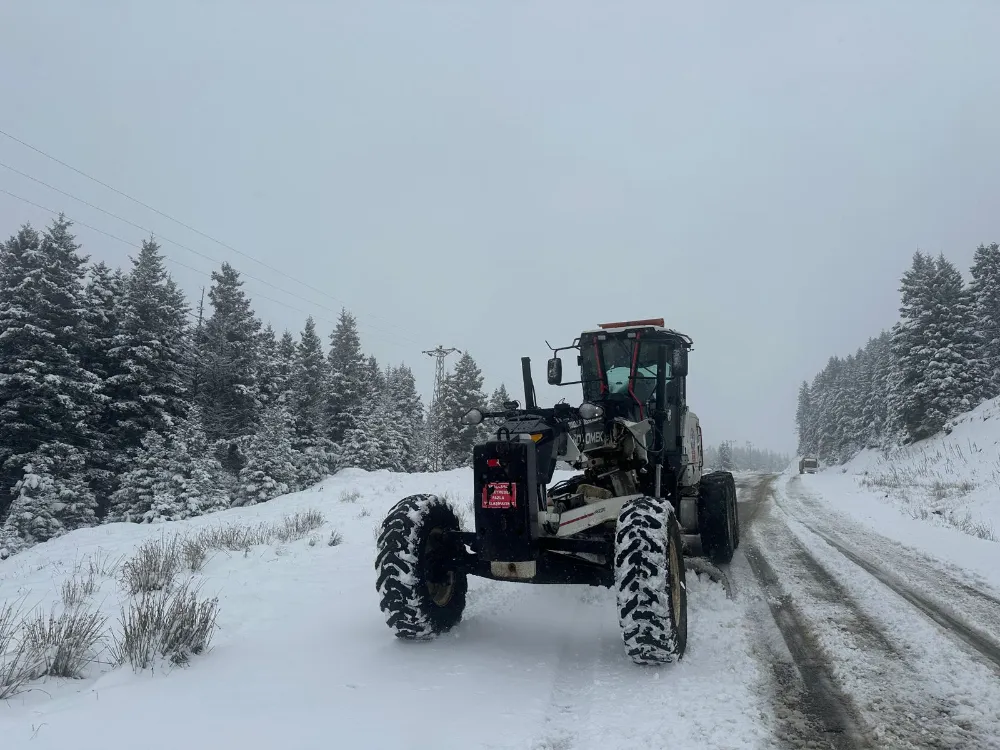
column 433, row 437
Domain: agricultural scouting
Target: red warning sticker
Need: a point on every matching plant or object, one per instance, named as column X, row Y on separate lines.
column 500, row 495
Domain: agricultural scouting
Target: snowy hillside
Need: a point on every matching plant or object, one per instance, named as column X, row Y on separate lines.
column 302, row 656
column 951, row 479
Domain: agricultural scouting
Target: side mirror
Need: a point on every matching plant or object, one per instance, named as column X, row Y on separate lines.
column 554, row 371
column 472, row 417
column 679, row 363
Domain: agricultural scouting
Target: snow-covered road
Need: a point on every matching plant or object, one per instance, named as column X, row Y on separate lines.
column 880, row 645
column 837, row 637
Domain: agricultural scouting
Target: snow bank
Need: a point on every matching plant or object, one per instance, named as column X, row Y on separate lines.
column 951, row 479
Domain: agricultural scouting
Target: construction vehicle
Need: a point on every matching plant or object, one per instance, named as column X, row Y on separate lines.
column 636, row 506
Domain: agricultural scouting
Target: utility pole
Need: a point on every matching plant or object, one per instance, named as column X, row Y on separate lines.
column 433, row 437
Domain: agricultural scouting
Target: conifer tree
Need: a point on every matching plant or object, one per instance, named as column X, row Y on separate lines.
column 408, row 412
column 133, row 499
column 802, row 419
column 285, row 362
column 229, row 394
column 47, row 400
column 348, row 372
column 269, row 469
column 148, row 363
column 912, row 351
column 461, row 390
column 985, row 293
column 267, row 367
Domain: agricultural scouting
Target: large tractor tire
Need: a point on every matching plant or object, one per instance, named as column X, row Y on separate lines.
column 718, row 520
column 417, row 604
column 650, row 581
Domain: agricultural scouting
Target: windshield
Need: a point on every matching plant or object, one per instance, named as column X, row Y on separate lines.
column 617, row 356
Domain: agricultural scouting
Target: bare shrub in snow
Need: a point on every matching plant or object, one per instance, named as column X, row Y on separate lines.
column 161, row 624
column 63, row 645
column 980, row 529
column 195, row 553
column 154, row 566
column 77, row 589
column 335, row 538
column 364, row 513
column 235, row 537
column 295, row 527
column 100, row 565
column 350, row 496
column 16, row 665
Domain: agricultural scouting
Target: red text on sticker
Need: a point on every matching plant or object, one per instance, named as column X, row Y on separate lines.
column 500, row 495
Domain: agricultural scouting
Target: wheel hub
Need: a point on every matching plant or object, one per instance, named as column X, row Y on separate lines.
column 440, row 583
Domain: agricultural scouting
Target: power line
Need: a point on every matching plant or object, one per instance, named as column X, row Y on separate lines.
column 166, row 258
column 176, row 221
column 182, row 245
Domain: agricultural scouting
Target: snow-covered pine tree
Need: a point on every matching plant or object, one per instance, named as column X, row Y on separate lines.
column 269, row 469
column 726, row 462
column 912, row 349
column 190, row 482
column 985, row 291
column 102, row 321
column 409, row 411
column 285, row 362
column 803, row 412
column 307, row 393
column 148, row 363
column 229, row 394
column 267, row 366
column 370, row 443
column 394, row 436
column 51, row 498
column 461, row 390
column 499, row 398
column 47, row 399
column 874, row 373
column 952, row 378
column 348, row 374
column 133, row 499
column 102, row 312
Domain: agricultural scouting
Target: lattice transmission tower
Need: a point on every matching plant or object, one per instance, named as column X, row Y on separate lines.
column 435, row 454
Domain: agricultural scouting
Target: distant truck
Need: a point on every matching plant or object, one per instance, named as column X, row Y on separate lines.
column 808, row 465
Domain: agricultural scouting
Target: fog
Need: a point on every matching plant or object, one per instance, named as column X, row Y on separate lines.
column 491, row 176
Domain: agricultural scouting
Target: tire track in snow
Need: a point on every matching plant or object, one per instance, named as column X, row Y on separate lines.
column 920, row 696
column 815, row 711
column 810, row 710
column 953, row 623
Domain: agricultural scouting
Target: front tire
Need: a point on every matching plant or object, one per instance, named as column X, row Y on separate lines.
column 417, row 604
column 650, row 582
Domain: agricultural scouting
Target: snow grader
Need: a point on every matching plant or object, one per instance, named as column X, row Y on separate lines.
column 636, row 506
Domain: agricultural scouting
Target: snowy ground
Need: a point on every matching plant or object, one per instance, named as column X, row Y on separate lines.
column 951, row 480
column 304, row 659
column 845, row 632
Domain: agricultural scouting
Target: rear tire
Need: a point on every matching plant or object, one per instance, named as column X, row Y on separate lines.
column 718, row 520
column 650, row 582
column 415, row 606
column 734, row 500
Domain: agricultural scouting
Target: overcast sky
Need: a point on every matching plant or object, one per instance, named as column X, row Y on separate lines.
column 490, row 175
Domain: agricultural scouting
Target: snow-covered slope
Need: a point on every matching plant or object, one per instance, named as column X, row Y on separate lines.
column 950, row 479
column 941, row 495
column 303, row 658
